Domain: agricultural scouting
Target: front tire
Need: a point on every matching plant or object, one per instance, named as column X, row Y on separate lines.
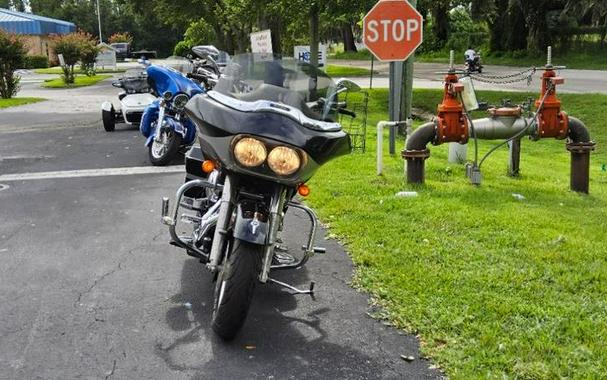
column 164, row 151
column 235, row 287
column 109, row 120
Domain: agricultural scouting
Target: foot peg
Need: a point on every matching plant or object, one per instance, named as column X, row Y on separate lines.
column 292, row 288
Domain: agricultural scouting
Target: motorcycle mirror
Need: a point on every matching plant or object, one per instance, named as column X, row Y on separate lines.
column 347, row 84
column 204, row 51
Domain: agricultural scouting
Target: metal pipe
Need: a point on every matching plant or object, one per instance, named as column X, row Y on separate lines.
column 514, row 159
column 501, row 127
column 416, row 153
column 578, row 131
column 580, row 146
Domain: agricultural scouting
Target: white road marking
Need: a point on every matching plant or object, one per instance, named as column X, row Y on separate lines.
column 24, row 157
column 93, row 173
column 3, row 187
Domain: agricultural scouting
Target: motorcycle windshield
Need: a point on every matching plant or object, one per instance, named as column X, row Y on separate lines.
column 257, row 77
column 169, row 79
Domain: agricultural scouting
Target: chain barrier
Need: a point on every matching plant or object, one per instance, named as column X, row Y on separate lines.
column 525, row 75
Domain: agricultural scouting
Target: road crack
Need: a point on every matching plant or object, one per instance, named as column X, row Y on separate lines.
column 97, row 281
column 110, row 373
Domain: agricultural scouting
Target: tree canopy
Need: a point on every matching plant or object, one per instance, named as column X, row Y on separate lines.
column 503, row 25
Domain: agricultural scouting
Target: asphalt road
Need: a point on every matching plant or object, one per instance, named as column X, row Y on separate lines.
column 89, row 287
column 425, row 76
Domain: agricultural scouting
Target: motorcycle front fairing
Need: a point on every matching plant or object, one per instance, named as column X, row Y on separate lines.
column 218, row 124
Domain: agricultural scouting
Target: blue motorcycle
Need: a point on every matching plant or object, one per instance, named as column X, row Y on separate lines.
column 164, row 122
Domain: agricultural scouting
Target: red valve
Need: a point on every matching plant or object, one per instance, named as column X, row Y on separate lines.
column 452, row 126
column 552, row 122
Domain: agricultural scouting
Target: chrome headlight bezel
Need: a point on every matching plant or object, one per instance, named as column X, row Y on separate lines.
column 180, row 100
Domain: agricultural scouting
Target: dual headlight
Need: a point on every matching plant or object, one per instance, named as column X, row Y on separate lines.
column 250, row 152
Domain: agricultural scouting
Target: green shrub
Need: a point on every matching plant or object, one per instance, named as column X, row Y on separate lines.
column 12, row 54
column 182, row 49
column 75, row 47
column 36, row 62
column 198, row 33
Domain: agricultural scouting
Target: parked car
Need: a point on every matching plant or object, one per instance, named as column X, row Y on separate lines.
column 123, row 50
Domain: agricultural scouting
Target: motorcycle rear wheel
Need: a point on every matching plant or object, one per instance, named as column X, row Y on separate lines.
column 162, row 153
column 235, row 287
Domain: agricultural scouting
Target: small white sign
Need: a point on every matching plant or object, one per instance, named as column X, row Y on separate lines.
column 106, row 58
column 61, row 60
column 261, row 44
column 302, row 53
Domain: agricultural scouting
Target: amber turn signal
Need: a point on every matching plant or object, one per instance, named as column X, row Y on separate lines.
column 303, row 190
column 208, row 166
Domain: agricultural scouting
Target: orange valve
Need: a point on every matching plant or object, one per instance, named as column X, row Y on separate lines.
column 208, row 166
column 303, row 190
column 452, row 126
column 552, row 122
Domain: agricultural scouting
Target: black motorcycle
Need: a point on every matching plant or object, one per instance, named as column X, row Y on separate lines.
column 474, row 65
column 263, row 131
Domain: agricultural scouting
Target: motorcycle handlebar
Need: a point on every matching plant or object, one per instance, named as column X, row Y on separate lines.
column 346, row 112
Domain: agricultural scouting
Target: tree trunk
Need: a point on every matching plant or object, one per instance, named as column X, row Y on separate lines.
column 516, row 39
column 314, row 35
column 273, row 22
column 348, row 36
column 497, row 27
column 314, row 19
column 440, row 16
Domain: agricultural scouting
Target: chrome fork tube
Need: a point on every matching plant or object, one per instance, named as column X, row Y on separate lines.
column 159, row 122
column 223, row 221
column 275, row 219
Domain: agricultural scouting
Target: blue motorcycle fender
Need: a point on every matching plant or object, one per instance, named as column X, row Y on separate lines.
column 249, row 229
column 149, row 115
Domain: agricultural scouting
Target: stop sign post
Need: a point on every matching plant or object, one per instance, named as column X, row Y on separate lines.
column 392, row 30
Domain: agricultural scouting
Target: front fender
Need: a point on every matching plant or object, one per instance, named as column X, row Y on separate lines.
column 249, row 229
column 149, row 115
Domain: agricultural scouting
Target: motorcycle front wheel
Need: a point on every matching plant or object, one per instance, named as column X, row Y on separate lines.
column 162, row 152
column 235, row 287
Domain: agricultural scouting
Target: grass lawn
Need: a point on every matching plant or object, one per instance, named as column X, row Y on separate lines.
column 495, row 287
column 81, row 81
column 347, row 71
column 57, row 70
column 5, row 103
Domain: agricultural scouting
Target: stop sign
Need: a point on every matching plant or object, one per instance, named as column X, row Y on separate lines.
column 392, row 30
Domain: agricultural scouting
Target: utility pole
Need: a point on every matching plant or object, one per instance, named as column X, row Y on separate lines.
column 99, row 21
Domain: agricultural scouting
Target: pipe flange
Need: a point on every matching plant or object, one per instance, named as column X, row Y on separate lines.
column 581, row 147
column 415, row 154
